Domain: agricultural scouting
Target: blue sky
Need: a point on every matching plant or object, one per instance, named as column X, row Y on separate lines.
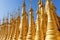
column 8, row 6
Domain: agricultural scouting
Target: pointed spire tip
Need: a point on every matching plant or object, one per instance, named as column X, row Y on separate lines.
column 24, row 3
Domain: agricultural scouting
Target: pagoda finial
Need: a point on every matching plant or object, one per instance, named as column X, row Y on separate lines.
column 8, row 14
column 40, row 2
column 31, row 6
column 11, row 16
column 18, row 7
column 23, row 7
column 52, row 5
column 24, row 3
column 3, row 19
column 7, row 17
column 18, row 10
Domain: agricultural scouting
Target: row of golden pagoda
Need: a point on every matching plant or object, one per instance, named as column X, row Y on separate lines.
column 46, row 26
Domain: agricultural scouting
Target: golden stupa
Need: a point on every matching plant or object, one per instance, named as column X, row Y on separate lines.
column 46, row 26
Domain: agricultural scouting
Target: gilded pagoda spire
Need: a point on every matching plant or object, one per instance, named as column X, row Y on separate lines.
column 37, row 36
column 23, row 6
column 24, row 23
column 55, row 14
column 11, row 28
column 42, row 17
column 40, row 3
column 55, row 19
column 39, row 30
column 14, row 34
column 31, row 28
column 17, row 30
column 0, row 29
column 50, row 34
column 3, row 29
column 13, row 22
column 18, row 18
column 6, row 28
column 46, row 27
